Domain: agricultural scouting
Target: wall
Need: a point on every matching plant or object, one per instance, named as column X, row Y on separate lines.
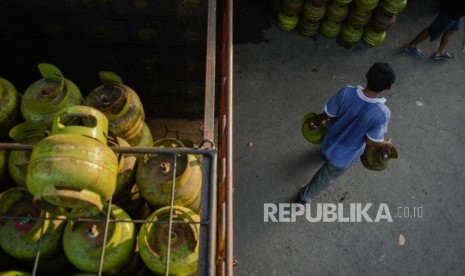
column 157, row 47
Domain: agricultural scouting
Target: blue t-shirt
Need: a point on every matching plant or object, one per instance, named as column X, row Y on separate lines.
column 355, row 117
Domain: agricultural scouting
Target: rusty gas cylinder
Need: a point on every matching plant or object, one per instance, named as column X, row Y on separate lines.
column 122, row 106
column 382, row 22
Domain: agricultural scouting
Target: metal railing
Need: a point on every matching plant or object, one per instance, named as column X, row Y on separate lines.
column 208, row 207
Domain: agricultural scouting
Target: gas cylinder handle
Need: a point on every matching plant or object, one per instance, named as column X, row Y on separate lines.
column 51, row 72
column 207, row 141
column 110, row 78
column 26, row 131
column 98, row 127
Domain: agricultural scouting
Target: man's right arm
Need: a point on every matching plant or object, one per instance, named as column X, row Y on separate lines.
column 386, row 144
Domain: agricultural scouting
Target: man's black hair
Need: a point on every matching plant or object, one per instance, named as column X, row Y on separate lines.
column 380, row 77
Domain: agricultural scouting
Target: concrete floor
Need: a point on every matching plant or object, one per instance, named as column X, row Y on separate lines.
column 278, row 78
column 176, row 128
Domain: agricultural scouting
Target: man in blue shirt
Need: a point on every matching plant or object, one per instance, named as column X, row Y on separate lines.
column 357, row 117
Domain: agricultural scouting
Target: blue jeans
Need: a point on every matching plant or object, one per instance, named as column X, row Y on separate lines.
column 323, row 178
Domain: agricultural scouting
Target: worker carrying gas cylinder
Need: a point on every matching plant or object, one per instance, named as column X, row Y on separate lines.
column 354, row 118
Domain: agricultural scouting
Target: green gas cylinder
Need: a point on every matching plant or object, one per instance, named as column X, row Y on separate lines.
column 358, row 18
column 350, row 34
column 377, row 159
column 366, row 5
column 314, row 136
column 393, row 7
column 126, row 169
column 330, row 28
column 308, row 27
column 336, row 12
column 83, row 242
column 287, row 22
column 3, row 166
column 183, row 240
column 14, row 273
column 373, row 37
column 19, row 237
column 342, row 2
column 25, row 133
column 312, row 12
column 146, row 140
column 9, row 101
column 319, row 2
column 46, row 97
column 154, row 177
column 73, row 167
column 291, row 7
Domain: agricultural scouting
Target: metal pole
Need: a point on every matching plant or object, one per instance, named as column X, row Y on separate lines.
column 39, row 244
column 147, row 150
column 105, row 236
column 210, row 74
column 170, row 222
column 229, row 147
column 212, row 216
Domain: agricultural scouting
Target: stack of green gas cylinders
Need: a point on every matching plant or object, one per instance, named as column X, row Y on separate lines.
column 349, row 20
column 73, row 200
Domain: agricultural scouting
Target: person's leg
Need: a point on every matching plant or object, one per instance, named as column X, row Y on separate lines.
column 438, row 27
column 445, row 39
column 412, row 48
column 441, row 54
column 421, row 36
column 323, row 178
